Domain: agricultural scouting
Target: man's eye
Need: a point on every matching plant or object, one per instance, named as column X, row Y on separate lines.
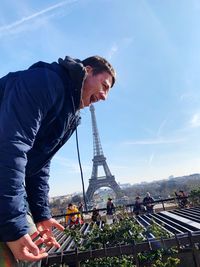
column 105, row 87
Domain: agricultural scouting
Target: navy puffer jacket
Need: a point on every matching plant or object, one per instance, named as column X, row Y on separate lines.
column 38, row 114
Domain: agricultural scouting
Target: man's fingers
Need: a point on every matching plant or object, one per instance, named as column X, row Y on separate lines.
column 51, row 241
column 48, row 224
column 58, row 225
column 31, row 247
column 25, row 249
column 34, row 235
column 45, row 229
column 39, row 241
column 42, row 232
column 30, row 257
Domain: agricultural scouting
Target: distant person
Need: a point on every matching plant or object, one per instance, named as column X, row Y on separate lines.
column 137, row 208
column 148, row 203
column 39, row 111
column 73, row 216
column 96, row 217
column 110, row 207
column 182, row 199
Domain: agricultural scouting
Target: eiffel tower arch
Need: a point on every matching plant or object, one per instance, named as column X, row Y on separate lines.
column 99, row 160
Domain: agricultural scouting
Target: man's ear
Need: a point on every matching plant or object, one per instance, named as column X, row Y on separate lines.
column 89, row 69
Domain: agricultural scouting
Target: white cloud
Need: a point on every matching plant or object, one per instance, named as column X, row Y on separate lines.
column 112, row 51
column 151, row 159
column 155, row 141
column 69, row 165
column 127, row 41
column 195, row 120
column 10, row 28
column 161, row 127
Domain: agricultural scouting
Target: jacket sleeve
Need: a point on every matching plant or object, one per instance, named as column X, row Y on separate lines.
column 25, row 104
column 37, row 189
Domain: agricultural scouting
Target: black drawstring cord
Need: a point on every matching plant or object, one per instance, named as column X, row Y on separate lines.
column 79, row 161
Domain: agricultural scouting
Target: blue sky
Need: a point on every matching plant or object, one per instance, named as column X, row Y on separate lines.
column 150, row 124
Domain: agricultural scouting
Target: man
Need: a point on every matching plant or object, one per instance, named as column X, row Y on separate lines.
column 96, row 217
column 182, row 199
column 148, row 203
column 110, row 207
column 137, row 208
column 39, row 111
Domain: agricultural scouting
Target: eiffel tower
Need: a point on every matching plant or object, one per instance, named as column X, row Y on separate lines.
column 108, row 180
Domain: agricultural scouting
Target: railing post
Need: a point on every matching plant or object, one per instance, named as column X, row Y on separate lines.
column 163, row 204
column 65, row 221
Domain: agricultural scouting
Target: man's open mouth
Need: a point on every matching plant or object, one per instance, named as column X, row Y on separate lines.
column 93, row 99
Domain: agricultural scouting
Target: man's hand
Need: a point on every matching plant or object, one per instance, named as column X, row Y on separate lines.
column 45, row 229
column 25, row 249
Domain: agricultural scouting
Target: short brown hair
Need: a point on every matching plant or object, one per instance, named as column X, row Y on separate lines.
column 99, row 65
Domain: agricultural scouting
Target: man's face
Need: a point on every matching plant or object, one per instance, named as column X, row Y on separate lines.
column 95, row 88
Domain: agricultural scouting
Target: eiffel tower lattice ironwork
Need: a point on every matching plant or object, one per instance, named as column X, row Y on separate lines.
column 99, row 159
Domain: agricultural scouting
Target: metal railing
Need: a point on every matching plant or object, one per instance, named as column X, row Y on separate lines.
column 128, row 206
column 183, row 242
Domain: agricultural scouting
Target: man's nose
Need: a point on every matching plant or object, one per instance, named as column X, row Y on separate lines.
column 103, row 95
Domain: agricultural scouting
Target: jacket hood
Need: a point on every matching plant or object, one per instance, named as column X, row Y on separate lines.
column 68, row 68
column 76, row 72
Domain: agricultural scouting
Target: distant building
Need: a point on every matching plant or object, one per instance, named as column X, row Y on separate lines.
column 123, row 186
column 61, row 198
